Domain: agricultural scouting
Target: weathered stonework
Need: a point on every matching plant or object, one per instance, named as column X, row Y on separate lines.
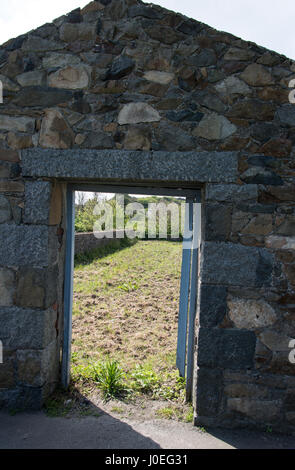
column 125, row 92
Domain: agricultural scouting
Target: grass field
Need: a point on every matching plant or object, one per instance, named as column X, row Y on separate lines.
column 126, row 310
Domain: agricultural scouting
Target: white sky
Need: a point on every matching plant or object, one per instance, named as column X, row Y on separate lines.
column 267, row 22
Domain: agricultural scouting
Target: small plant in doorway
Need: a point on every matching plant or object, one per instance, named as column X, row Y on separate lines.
column 109, row 377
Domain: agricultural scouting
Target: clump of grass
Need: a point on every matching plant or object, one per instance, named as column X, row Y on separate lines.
column 189, row 416
column 166, row 412
column 129, row 286
column 109, row 377
column 144, row 379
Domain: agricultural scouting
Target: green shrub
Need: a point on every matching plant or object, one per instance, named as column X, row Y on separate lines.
column 109, row 377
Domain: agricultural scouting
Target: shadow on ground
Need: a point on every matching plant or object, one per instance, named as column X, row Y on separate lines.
column 93, row 428
column 36, row 430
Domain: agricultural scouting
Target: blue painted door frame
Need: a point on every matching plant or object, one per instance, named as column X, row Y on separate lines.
column 188, row 289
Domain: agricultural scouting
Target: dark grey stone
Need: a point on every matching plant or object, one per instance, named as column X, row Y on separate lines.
column 205, row 58
column 41, row 96
column 22, row 398
column 74, row 16
column 209, row 391
column 16, row 43
column 184, row 85
column 210, row 101
column 236, row 265
column 226, row 348
column 190, row 27
column 23, row 245
column 217, row 222
column 213, row 305
column 260, row 175
column 184, row 115
column 257, row 208
column 98, row 140
column 3, row 56
column 37, row 202
column 170, row 137
column 264, row 270
column 263, row 161
column 286, row 114
column 231, row 192
column 145, row 11
column 119, row 68
column 39, row 328
column 131, row 166
column 264, row 131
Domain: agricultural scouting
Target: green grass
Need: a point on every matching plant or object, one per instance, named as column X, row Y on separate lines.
column 109, row 377
column 125, row 316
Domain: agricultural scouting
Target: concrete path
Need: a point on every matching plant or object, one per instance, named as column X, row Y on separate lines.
column 38, row 431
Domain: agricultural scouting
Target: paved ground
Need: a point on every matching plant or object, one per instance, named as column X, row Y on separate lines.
column 38, row 431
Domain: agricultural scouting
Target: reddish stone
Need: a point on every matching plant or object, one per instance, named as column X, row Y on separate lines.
column 9, row 155
column 274, row 94
column 233, row 67
column 277, row 148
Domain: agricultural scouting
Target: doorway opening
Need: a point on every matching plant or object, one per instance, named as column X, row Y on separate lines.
column 132, row 305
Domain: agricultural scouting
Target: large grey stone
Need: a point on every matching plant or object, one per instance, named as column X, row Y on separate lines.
column 39, row 328
column 213, row 305
column 164, row 78
column 257, row 75
column 120, row 67
column 276, row 341
column 71, row 77
column 7, row 287
column 204, row 58
column 262, row 411
column 210, row 101
column 218, row 222
column 23, row 245
column 145, row 11
column 236, row 53
column 226, row 348
column 55, row 131
column 171, row 137
column 251, row 314
column 214, row 127
column 134, row 113
column 236, row 265
column 56, row 59
column 232, row 86
column 209, row 391
column 22, row 398
column 32, row 78
column 131, row 165
column 98, row 140
column 17, row 123
column 286, row 114
column 37, row 202
column 37, row 44
column 7, row 84
column 5, row 209
column 231, row 192
column 41, row 97
column 70, row 32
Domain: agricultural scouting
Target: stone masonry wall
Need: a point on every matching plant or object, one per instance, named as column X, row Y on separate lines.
column 85, row 242
column 124, row 75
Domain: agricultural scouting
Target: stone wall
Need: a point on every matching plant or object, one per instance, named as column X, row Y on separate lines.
column 86, row 242
column 122, row 75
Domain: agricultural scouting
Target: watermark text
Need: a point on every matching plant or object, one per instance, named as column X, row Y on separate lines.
column 292, row 92
column 292, row 353
column 1, row 352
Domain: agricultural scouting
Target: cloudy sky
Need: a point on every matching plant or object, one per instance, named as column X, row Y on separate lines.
column 268, row 23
